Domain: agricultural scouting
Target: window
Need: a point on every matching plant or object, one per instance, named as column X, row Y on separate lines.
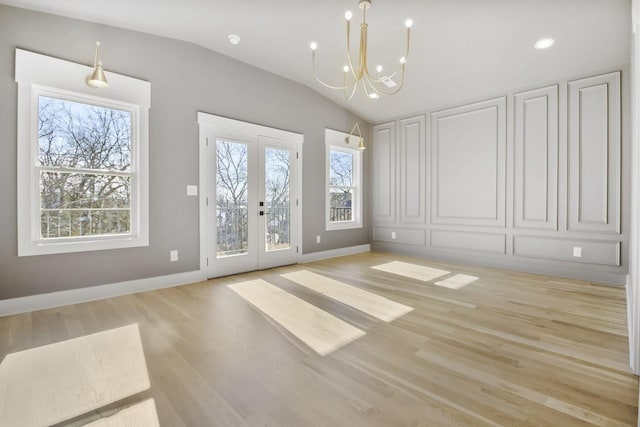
column 344, row 177
column 82, row 159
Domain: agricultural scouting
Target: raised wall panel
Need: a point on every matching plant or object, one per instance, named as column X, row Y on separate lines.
column 468, row 164
column 594, row 154
column 593, row 251
column 494, row 243
column 536, row 159
column 400, row 235
column 412, row 170
column 384, row 172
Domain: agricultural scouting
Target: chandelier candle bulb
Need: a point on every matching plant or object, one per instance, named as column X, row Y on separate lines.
column 360, row 74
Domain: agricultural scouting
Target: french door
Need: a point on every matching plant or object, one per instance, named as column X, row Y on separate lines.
column 252, row 207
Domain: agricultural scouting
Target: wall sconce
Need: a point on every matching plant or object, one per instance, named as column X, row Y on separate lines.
column 97, row 78
column 360, row 138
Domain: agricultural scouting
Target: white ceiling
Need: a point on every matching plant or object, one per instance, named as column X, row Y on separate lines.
column 462, row 50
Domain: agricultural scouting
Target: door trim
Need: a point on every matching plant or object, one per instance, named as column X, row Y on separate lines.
column 206, row 122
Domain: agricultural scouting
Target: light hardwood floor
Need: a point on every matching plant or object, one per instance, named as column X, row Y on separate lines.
column 508, row 349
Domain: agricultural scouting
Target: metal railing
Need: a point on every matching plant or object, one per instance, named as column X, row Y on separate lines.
column 277, row 221
column 233, row 229
column 76, row 222
column 232, row 225
column 340, row 214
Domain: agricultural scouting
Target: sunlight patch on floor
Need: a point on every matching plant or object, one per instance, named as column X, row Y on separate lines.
column 413, row 271
column 321, row 331
column 374, row 305
column 56, row 382
column 456, row 282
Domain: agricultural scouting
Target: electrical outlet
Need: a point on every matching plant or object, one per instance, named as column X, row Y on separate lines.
column 173, row 255
column 577, row 252
column 192, row 190
column 318, row 238
column 393, row 235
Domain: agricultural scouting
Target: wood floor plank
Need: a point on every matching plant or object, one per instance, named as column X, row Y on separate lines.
column 418, row 272
column 56, row 382
column 142, row 414
column 367, row 302
column 318, row 329
column 509, row 349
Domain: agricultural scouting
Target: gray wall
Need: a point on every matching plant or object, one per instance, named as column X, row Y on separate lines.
column 185, row 79
column 515, row 181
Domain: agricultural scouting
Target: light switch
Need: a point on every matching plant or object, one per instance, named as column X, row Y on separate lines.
column 577, row 252
column 173, row 255
column 393, row 235
column 192, row 190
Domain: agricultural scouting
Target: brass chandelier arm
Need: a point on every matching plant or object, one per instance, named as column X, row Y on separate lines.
column 326, row 84
column 399, row 69
column 381, row 91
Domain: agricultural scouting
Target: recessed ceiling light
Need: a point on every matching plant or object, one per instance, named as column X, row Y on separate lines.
column 233, row 38
column 544, row 43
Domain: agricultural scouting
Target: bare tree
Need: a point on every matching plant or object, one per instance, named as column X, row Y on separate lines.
column 231, row 196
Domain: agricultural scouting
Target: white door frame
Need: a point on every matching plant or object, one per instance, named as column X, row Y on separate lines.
column 208, row 122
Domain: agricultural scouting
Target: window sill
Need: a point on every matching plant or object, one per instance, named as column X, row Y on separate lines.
column 346, row 225
column 61, row 247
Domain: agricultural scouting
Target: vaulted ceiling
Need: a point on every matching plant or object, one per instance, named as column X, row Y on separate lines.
column 462, row 50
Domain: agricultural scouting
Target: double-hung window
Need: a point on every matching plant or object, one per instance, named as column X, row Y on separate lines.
column 344, row 182
column 82, row 159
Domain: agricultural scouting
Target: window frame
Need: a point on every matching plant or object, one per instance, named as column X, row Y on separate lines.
column 40, row 75
column 336, row 141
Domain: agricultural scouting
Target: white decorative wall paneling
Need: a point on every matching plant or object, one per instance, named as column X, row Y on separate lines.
column 536, row 159
column 493, row 243
column 408, row 236
column 412, row 170
column 599, row 252
column 384, row 172
column 468, row 164
column 594, row 154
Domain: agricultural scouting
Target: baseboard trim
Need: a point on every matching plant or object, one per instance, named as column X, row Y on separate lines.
column 334, row 253
column 92, row 293
column 513, row 263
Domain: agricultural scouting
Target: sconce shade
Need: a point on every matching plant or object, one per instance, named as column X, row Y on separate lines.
column 356, row 127
column 98, row 79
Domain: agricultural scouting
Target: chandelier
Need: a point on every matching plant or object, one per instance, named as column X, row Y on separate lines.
column 373, row 86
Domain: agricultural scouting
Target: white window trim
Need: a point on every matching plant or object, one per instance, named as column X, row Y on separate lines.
column 335, row 140
column 40, row 74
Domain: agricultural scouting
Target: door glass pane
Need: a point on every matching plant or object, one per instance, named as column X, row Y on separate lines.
column 231, row 198
column 277, row 201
